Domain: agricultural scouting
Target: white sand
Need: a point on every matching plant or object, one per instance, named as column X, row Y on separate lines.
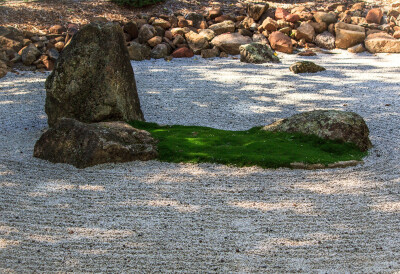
column 152, row 216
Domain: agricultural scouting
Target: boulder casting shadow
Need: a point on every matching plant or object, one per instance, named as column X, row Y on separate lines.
column 93, row 80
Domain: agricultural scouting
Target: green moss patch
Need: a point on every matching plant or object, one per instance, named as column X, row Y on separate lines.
column 253, row 147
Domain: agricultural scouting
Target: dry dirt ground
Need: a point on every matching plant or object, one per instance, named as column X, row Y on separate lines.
column 161, row 217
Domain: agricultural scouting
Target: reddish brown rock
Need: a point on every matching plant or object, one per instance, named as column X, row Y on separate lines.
column 203, row 25
column 161, row 23
column 154, row 41
column 196, row 42
column 281, row 13
column 132, row 29
column 348, row 35
column 281, row 42
column 305, row 31
column 293, row 18
column 382, row 42
column 57, row 29
column 223, row 18
column 374, row 16
column 59, row 46
column 230, row 42
column 269, row 24
column 168, row 34
column 255, row 11
column 183, row 53
column 182, row 23
column 214, row 13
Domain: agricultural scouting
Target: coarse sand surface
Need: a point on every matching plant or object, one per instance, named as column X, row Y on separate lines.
column 163, row 217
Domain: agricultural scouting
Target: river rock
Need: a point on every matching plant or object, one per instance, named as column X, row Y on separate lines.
column 196, row 42
column 382, row 42
column 281, row 42
column 348, row 35
column 224, row 27
column 138, row 52
column 230, row 42
column 325, row 40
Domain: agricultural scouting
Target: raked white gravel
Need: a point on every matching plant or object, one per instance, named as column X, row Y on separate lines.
column 162, row 217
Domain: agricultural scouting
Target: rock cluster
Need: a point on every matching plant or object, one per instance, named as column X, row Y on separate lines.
column 89, row 96
column 214, row 34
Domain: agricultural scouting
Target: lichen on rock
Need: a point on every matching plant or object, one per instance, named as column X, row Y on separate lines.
column 328, row 124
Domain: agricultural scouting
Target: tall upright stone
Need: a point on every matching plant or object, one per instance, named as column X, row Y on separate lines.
column 93, row 80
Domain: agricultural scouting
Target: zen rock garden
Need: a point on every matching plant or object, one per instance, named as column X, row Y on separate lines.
column 176, row 136
column 303, row 29
column 91, row 94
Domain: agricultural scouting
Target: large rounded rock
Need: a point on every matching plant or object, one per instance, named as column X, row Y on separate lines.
column 257, row 53
column 327, row 124
column 84, row 145
column 328, row 18
column 230, row 42
column 196, row 42
column 281, row 42
column 146, row 32
column 30, row 54
column 348, row 35
column 159, row 51
column 10, row 38
column 196, row 19
column 223, row 27
column 382, row 42
column 138, row 52
column 374, row 16
column 256, row 10
column 325, row 40
column 93, row 79
column 305, row 31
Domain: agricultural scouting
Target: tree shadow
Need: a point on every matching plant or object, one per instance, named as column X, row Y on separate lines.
column 152, row 216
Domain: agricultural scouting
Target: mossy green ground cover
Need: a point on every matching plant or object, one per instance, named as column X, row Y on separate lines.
column 194, row 144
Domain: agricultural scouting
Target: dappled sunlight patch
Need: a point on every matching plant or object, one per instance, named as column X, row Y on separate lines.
column 97, row 233
column 302, row 241
column 7, row 102
column 43, row 238
column 342, row 186
column 4, row 243
column 298, row 207
column 91, row 187
column 388, row 207
column 261, row 109
column 5, row 229
column 8, row 184
column 165, row 203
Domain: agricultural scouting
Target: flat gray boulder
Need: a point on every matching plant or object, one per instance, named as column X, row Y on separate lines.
column 328, row 124
column 93, row 80
column 84, row 145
